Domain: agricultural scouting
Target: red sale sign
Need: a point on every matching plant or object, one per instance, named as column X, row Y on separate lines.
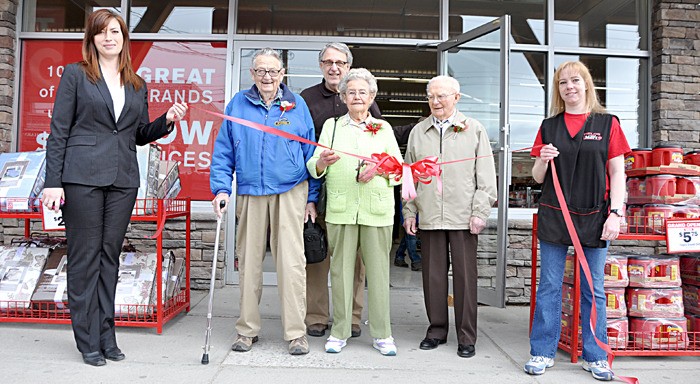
column 190, row 72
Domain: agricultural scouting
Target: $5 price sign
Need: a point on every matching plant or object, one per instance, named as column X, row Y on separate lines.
column 683, row 235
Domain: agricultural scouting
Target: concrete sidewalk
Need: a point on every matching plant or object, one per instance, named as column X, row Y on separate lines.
column 37, row 353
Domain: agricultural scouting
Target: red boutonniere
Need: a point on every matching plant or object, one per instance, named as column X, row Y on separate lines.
column 373, row 128
column 459, row 127
column 286, row 106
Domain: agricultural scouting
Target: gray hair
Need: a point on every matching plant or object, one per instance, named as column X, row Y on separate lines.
column 342, row 48
column 451, row 82
column 358, row 74
column 266, row 52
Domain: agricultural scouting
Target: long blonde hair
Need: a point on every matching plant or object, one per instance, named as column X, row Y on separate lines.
column 592, row 103
column 96, row 22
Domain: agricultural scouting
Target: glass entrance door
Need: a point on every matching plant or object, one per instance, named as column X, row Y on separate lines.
column 479, row 59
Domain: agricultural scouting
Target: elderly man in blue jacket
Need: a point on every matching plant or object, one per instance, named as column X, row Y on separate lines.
column 273, row 190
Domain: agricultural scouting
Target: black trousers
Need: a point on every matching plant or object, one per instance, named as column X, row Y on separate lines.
column 96, row 221
column 438, row 248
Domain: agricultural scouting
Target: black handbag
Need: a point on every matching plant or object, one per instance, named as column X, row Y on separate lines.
column 315, row 243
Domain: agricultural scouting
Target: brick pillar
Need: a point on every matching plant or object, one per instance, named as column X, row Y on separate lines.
column 675, row 91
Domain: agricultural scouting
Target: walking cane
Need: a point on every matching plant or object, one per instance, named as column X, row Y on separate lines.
column 207, row 336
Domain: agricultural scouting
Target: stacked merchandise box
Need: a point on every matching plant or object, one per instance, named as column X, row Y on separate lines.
column 137, row 273
column 615, row 281
column 690, row 276
column 148, row 157
column 21, row 180
column 177, row 278
column 168, row 263
column 662, row 184
column 655, row 303
column 20, row 269
column 51, row 292
column 168, row 178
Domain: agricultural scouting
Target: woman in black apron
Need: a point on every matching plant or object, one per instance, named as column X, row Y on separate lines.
column 588, row 147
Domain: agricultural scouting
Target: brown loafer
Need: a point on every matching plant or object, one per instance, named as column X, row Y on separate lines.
column 355, row 331
column 316, row 330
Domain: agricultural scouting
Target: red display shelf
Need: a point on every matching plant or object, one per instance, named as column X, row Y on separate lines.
column 638, row 343
column 676, row 169
column 149, row 316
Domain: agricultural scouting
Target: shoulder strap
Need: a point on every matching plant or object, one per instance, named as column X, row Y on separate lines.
column 335, row 122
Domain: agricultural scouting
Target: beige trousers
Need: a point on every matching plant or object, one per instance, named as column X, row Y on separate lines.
column 284, row 214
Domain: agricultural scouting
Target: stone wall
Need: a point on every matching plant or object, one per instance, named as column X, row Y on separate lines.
column 675, row 90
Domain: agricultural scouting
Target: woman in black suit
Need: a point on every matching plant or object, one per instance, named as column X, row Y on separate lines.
column 99, row 116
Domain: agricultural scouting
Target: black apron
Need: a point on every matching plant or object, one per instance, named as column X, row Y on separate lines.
column 582, row 170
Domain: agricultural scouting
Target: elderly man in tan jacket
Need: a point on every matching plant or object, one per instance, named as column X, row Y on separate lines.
column 451, row 220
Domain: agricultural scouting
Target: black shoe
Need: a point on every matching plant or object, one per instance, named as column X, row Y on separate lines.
column 429, row 343
column 417, row 266
column 400, row 263
column 94, row 358
column 316, row 330
column 466, row 350
column 355, row 331
column 114, row 354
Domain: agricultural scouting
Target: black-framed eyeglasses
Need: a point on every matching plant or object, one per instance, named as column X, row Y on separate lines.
column 330, row 63
column 261, row 72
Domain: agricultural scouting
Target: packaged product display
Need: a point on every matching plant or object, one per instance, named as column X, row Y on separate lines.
column 615, row 302
column 616, row 271
column 567, row 298
column 638, row 158
column 168, row 175
column 693, row 324
column 655, row 302
column 136, row 276
column 659, row 333
column 21, row 180
column 618, row 332
column 166, row 271
column 20, row 269
column 567, row 322
column 176, row 280
column 690, row 269
column 51, row 292
column 654, row 271
column 569, row 269
column 690, row 299
column 148, row 157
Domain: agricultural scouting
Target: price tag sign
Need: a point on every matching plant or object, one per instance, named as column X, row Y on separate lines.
column 53, row 221
column 683, row 235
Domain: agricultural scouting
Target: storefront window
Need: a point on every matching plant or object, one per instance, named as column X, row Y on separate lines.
column 202, row 17
column 613, row 24
column 191, row 72
column 617, row 83
column 527, row 17
column 410, row 19
column 61, row 15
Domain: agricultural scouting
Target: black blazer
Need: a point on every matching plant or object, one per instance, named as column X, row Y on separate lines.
column 86, row 146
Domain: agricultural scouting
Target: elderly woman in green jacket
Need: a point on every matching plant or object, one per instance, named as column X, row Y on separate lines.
column 360, row 209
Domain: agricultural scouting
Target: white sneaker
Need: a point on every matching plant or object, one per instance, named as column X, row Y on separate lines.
column 335, row 345
column 537, row 365
column 599, row 369
column 386, row 347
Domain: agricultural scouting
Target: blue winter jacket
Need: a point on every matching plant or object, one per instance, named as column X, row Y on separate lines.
column 265, row 164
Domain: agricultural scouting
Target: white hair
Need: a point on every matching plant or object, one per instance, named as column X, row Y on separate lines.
column 451, row 82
